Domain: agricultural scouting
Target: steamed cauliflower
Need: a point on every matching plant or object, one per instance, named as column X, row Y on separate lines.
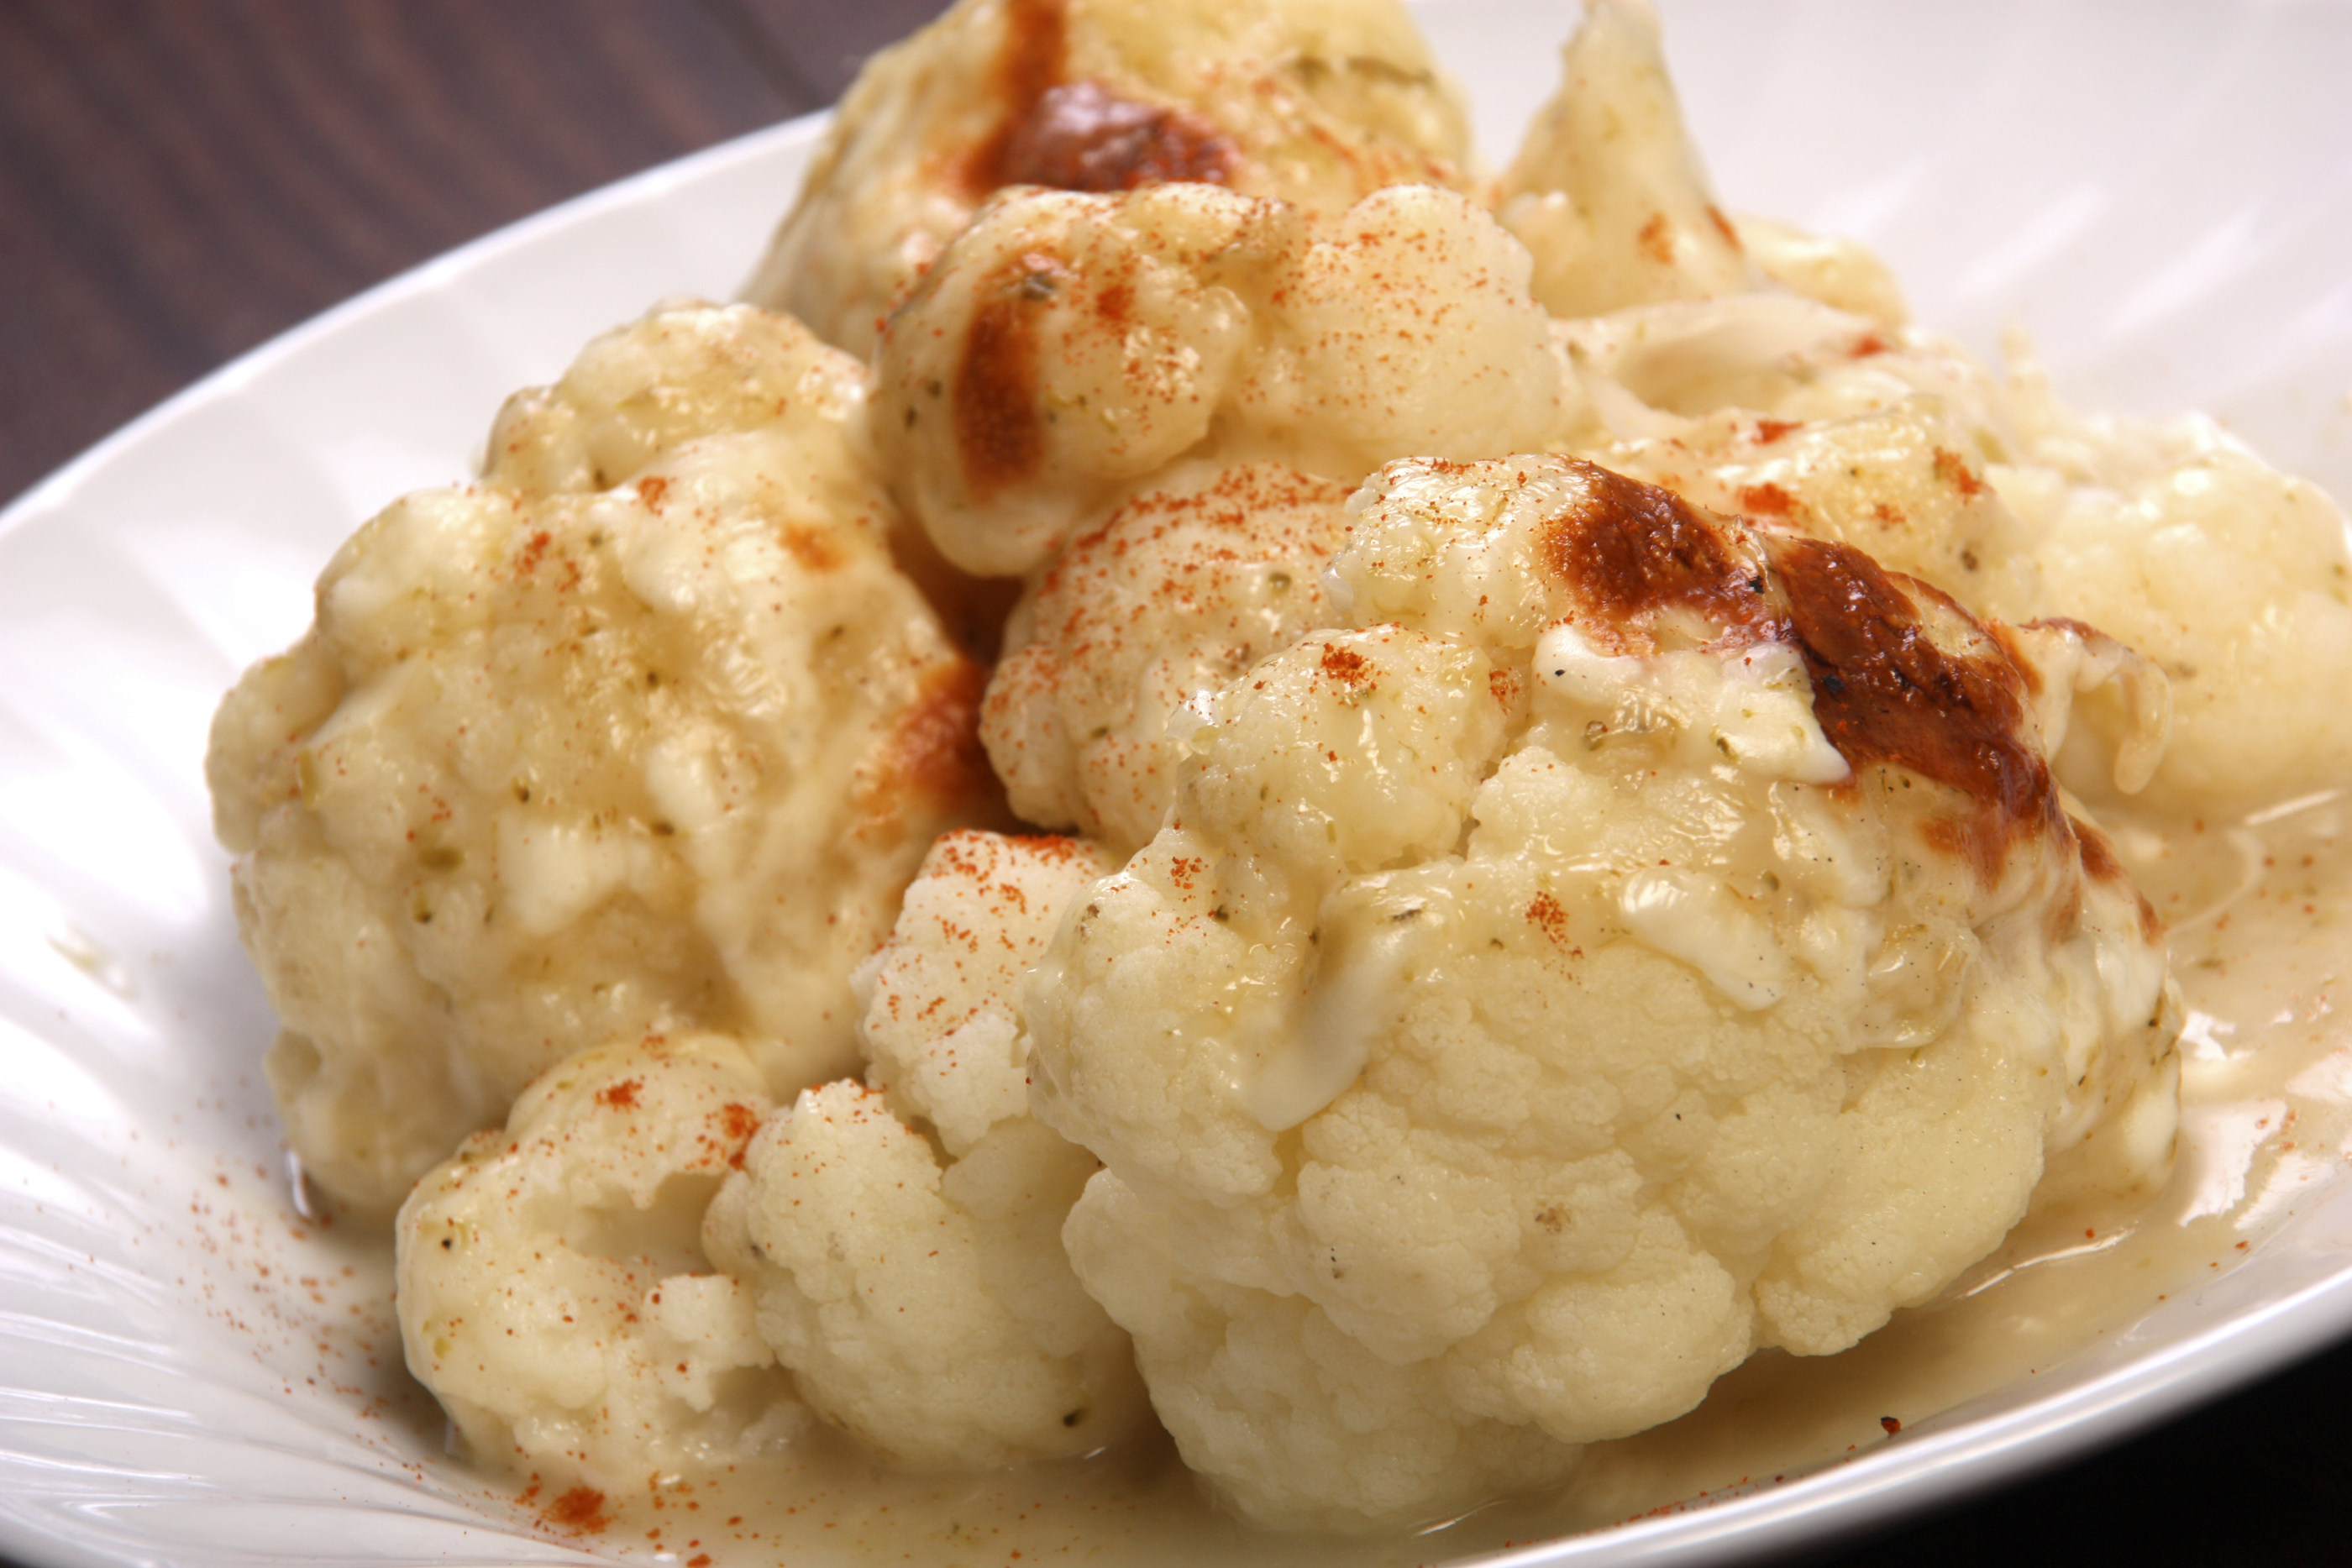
column 643, row 733
column 1066, row 349
column 2235, row 579
column 1546, row 928
column 1607, row 190
column 1611, row 199
column 552, row 1292
column 1316, row 102
column 1780, row 408
column 1634, row 939
column 1760, row 370
column 682, row 374
column 1182, row 589
column 919, row 1289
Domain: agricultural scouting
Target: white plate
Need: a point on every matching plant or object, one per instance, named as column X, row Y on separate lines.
column 2163, row 192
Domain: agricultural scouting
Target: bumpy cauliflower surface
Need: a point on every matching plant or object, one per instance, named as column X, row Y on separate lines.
column 552, row 1292
column 1317, row 102
column 1613, row 200
column 1815, row 403
column 1576, row 933
column 682, row 374
column 1607, row 190
column 1068, row 349
column 643, row 733
column 2235, row 579
column 920, row 1292
column 1777, row 407
column 1182, row 590
column 1647, row 937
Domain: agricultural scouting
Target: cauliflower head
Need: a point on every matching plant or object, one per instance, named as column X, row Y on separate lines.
column 645, row 733
column 1316, row 102
column 1636, row 938
column 1611, row 196
column 918, row 1289
column 1182, row 589
column 943, row 997
column 683, row 373
column 551, row 1289
column 2233, row 578
column 1607, row 190
column 1778, row 408
column 1068, row 349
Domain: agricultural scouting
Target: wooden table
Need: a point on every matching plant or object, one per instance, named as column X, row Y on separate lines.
column 179, row 182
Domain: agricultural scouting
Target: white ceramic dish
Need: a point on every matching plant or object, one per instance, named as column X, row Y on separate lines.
column 2163, row 192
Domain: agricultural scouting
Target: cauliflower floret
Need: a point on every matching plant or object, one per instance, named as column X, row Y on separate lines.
column 561, row 765
column 1611, row 196
column 2234, row 578
column 1288, row 1392
column 920, row 1293
column 684, row 371
column 1646, row 940
column 1607, row 190
column 1777, row 407
column 687, row 371
column 1317, row 102
column 1066, row 349
column 1184, row 587
column 551, row 1290
column 942, row 996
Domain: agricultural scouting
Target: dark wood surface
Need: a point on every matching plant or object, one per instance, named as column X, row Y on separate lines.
column 180, row 181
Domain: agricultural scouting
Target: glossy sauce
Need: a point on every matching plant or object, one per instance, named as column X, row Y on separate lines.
column 2260, row 943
